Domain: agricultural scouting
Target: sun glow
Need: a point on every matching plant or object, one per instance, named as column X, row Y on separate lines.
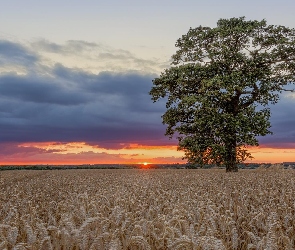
column 76, row 153
column 145, row 165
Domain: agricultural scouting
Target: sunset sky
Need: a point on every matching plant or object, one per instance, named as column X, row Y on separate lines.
column 75, row 77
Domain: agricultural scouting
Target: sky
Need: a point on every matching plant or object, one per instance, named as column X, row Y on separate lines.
column 75, row 77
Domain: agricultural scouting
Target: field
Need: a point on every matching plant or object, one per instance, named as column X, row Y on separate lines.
column 147, row 209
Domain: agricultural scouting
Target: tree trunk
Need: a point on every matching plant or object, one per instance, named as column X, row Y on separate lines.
column 231, row 154
column 231, row 166
column 231, row 142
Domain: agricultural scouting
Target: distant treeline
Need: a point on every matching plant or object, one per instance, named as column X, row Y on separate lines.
column 131, row 166
column 64, row 167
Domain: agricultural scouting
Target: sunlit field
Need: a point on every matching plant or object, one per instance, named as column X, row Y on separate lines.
column 147, row 209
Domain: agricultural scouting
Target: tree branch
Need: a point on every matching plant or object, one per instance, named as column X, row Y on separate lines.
column 291, row 90
column 254, row 93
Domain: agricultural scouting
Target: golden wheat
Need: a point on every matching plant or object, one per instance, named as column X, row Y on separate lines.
column 147, row 209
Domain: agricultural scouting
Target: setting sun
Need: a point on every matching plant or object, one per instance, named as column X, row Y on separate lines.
column 145, row 165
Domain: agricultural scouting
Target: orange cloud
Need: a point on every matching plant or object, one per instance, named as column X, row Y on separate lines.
column 272, row 155
column 83, row 153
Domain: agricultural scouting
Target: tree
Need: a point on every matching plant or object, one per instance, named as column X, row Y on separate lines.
column 220, row 84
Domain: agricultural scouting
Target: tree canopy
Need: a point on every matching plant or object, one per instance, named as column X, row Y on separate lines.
column 220, row 85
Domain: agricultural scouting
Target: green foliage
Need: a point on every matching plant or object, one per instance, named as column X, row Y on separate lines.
column 219, row 86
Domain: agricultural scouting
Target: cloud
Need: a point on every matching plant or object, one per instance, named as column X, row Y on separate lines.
column 13, row 153
column 10, row 149
column 70, row 47
column 110, row 109
column 67, row 105
column 95, row 57
column 283, row 124
column 40, row 89
column 89, row 56
column 73, row 153
column 15, row 53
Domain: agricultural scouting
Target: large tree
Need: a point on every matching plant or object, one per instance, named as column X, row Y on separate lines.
column 220, row 84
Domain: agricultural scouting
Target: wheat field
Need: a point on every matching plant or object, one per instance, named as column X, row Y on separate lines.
column 147, row 209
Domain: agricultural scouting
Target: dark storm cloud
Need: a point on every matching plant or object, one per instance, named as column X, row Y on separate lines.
column 103, row 109
column 13, row 149
column 127, row 89
column 11, row 52
column 108, row 109
column 283, row 123
column 40, row 90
